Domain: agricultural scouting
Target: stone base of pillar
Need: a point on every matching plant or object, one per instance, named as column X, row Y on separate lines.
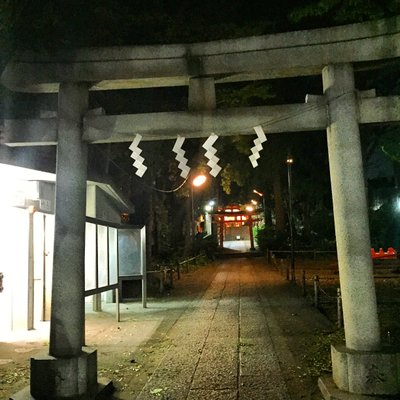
column 65, row 378
column 362, row 374
column 331, row 392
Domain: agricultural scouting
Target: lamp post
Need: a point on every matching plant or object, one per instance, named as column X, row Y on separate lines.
column 289, row 162
column 197, row 181
column 263, row 202
column 250, row 210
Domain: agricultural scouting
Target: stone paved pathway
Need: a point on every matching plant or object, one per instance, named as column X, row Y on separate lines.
column 221, row 346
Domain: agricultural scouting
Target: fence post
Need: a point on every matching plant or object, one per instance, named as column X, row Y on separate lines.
column 339, row 307
column 170, row 273
column 303, row 283
column 316, row 294
column 118, row 308
column 287, row 270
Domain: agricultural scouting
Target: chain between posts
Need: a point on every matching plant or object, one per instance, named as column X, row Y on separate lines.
column 318, row 291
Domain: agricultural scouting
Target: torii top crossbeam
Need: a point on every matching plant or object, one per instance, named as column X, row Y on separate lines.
column 270, row 56
column 288, row 54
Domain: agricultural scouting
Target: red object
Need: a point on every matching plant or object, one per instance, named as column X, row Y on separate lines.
column 384, row 255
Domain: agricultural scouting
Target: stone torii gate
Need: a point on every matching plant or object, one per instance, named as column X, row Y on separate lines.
column 363, row 365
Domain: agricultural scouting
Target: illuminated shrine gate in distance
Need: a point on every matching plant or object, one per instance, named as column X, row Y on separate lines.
column 235, row 222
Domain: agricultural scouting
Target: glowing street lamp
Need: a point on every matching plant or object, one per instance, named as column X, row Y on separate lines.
column 249, row 208
column 199, row 180
column 209, row 206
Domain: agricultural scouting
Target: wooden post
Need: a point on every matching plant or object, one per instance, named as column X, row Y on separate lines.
column 287, row 270
column 251, row 233
column 221, row 233
column 178, row 269
column 316, row 294
column 303, row 283
column 118, row 309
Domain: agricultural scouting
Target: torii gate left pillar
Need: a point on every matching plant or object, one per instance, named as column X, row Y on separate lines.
column 69, row 370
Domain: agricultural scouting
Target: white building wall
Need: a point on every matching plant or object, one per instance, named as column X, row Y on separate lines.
column 13, row 264
column 14, row 246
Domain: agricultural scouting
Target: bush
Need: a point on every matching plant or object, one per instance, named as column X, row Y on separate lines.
column 207, row 245
column 270, row 238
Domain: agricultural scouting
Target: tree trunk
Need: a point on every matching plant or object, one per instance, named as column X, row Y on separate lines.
column 188, row 227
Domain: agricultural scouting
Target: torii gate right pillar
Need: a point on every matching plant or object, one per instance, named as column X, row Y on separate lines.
column 361, row 366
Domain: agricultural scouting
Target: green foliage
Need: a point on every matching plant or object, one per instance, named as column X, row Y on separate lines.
column 251, row 94
column 328, row 12
column 208, row 246
column 383, row 225
column 234, row 175
column 322, row 235
column 270, row 238
column 390, row 144
column 165, row 248
column 315, row 9
column 227, row 178
column 344, row 11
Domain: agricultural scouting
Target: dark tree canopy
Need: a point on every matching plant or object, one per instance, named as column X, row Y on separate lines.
column 52, row 24
column 49, row 25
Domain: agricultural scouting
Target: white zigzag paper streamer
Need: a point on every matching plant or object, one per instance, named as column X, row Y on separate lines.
column 141, row 168
column 210, row 154
column 255, row 150
column 180, row 156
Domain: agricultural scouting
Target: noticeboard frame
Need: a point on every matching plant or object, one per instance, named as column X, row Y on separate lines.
column 143, row 268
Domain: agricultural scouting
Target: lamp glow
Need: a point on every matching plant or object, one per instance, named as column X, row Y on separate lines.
column 398, row 204
column 199, row 180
